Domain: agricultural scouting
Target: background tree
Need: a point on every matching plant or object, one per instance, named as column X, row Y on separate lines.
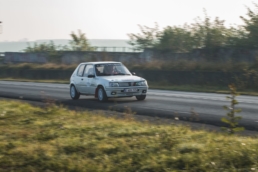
column 79, row 42
column 50, row 48
column 43, row 47
column 148, row 37
column 201, row 34
column 250, row 34
column 210, row 34
column 234, row 37
column 176, row 39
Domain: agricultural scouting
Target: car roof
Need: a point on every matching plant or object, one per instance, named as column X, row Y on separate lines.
column 100, row 62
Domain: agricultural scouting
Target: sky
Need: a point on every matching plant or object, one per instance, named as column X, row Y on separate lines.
column 30, row 20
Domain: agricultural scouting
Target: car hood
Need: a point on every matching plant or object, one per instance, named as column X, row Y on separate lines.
column 123, row 78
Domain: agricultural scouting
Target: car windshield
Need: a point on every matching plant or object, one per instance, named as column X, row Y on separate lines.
column 109, row 69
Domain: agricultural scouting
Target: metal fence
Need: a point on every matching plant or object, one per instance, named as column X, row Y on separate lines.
column 116, row 49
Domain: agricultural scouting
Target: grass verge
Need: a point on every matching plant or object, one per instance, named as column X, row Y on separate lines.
column 57, row 139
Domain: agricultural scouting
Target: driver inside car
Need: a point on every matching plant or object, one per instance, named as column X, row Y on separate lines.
column 110, row 70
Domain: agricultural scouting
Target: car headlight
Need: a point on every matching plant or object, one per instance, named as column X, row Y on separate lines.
column 113, row 84
column 141, row 83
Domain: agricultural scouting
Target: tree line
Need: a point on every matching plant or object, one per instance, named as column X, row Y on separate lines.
column 204, row 33
column 79, row 42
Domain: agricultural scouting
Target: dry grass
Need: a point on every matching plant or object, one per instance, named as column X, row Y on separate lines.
column 191, row 65
column 182, row 65
column 39, row 66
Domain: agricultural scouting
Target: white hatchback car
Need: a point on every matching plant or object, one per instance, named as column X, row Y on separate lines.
column 105, row 80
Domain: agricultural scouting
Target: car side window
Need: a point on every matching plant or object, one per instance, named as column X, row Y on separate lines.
column 80, row 70
column 88, row 70
column 99, row 69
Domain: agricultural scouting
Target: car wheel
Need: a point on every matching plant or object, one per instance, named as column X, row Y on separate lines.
column 73, row 93
column 102, row 96
column 140, row 97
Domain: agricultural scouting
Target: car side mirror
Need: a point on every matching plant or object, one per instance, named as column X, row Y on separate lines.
column 91, row 76
column 133, row 73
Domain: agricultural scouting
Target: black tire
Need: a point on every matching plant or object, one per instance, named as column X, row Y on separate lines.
column 74, row 93
column 140, row 97
column 102, row 96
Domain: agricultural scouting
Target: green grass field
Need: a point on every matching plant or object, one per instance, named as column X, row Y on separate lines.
column 57, row 139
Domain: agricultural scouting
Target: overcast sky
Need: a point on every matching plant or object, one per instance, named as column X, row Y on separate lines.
column 107, row 19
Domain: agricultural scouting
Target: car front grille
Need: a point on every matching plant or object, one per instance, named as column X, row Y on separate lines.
column 126, row 84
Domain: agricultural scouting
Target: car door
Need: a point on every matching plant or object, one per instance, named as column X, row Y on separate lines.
column 86, row 87
column 79, row 78
column 91, row 80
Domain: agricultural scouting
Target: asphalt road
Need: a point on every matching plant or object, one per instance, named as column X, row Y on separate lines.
column 190, row 106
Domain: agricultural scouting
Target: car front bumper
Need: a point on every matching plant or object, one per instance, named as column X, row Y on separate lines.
column 120, row 91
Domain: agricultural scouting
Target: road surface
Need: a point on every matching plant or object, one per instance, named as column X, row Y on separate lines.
column 190, row 106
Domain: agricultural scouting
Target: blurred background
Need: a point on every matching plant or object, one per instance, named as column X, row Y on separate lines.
column 178, row 42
